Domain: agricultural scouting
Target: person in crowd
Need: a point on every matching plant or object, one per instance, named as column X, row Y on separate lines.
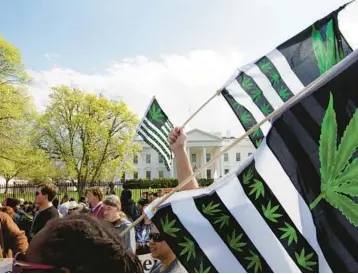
column 142, row 233
column 160, row 193
column 15, row 204
column 64, row 199
column 63, row 207
column 73, row 208
column 113, row 214
column 111, row 190
column 9, row 211
column 144, row 196
column 21, row 218
column 94, row 197
column 128, row 205
column 141, row 204
column 72, row 200
column 150, row 197
column 79, row 244
column 44, row 197
column 168, row 262
column 56, row 203
column 12, row 239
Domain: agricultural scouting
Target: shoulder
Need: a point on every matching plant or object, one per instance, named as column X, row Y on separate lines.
column 156, row 267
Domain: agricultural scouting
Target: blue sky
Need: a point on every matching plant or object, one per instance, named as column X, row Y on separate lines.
column 181, row 51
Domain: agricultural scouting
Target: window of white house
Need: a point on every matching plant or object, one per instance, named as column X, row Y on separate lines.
column 161, row 174
column 135, row 159
column 226, row 171
column 226, row 157
column 238, row 157
column 208, row 173
column 148, row 158
column 193, row 158
column 208, row 157
column 148, row 174
column 161, row 159
column 135, row 175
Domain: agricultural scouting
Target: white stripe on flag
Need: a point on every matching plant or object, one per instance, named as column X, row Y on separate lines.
column 276, row 178
column 285, row 71
column 158, row 132
column 241, row 97
column 235, row 199
column 154, row 136
column 264, row 84
column 206, row 237
column 166, row 129
column 149, row 138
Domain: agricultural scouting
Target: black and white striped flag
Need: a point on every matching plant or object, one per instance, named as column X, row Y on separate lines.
column 155, row 129
column 263, row 86
column 292, row 206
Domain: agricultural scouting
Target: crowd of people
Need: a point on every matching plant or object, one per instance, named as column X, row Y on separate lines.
column 86, row 235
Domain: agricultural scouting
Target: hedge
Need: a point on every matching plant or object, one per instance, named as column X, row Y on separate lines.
column 159, row 183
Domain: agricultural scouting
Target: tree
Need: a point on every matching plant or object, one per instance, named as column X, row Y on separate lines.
column 89, row 134
column 12, row 70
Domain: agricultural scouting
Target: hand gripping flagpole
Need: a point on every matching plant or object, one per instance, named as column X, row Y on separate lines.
column 121, row 164
column 321, row 80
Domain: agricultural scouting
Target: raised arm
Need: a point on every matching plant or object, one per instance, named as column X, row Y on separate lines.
column 178, row 140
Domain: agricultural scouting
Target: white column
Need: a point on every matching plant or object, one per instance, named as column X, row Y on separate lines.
column 222, row 165
column 217, row 166
column 172, row 170
column 203, row 161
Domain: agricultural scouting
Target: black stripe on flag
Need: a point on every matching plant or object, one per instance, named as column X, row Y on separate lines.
column 272, row 74
column 257, row 95
column 296, row 145
column 159, row 136
column 181, row 242
column 277, row 218
column 232, row 234
column 153, row 146
column 245, row 117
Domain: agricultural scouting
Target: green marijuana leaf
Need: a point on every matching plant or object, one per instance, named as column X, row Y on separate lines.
column 210, row 209
column 265, row 109
column 284, row 94
column 270, row 212
column 258, row 188
column 201, row 269
column 265, row 66
column 275, row 78
column 222, row 220
column 245, row 117
column 256, row 95
column 339, row 175
column 303, row 260
column 234, row 241
column 325, row 52
column 258, row 142
column 156, row 114
column 256, row 133
column 254, row 262
column 290, row 233
column 237, row 105
column 247, row 176
column 168, row 227
column 189, row 248
column 246, row 82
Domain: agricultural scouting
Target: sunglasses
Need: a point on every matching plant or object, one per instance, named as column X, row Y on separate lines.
column 20, row 265
column 156, row 237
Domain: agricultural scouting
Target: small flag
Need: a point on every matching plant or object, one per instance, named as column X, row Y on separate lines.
column 293, row 207
column 261, row 87
column 155, row 129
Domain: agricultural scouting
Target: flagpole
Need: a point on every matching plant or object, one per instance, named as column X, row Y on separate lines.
column 131, row 143
column 321, row 80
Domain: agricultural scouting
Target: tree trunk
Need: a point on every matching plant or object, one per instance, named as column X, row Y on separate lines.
column 6, row 184
column 81, row 186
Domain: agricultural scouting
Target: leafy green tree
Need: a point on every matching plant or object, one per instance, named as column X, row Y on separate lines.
column 12, row 70
column 87, row 133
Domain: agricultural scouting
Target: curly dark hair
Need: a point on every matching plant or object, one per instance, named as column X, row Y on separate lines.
column 82, row 243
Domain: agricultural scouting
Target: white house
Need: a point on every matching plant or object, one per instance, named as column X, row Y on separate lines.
column 201, row 147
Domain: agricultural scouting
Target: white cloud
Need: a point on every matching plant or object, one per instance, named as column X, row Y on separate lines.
column 51, row 56
column 180, row 83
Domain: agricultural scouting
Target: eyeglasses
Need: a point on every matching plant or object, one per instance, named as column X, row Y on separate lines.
column 156, row 237
column 20, row 265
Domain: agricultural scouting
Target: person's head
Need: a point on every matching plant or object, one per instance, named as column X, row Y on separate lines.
column 64, row 199
column 158, row 247
column 13, row 203
column 144, row 195
column 111, row 186
column 150, row 197
column 112, row 209
column 71, row 199
column 126, row 195
column 142, row 203
column 160, row 193
column 45, row 193
column 94, row 195
column 83, row 200
column 80, row 244
column 73, row 208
